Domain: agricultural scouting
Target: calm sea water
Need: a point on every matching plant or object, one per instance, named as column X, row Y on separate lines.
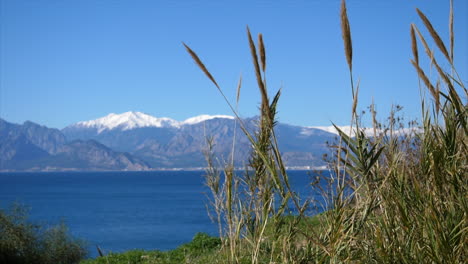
column 121, row 210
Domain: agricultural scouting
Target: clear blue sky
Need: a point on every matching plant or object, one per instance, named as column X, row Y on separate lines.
column 67, row 61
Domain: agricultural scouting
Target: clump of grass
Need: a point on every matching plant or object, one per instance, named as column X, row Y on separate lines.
column 408, row 201
column 249, row 201
column 394, row 197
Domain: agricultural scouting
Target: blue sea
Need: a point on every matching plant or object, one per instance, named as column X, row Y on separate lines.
column 120, row 211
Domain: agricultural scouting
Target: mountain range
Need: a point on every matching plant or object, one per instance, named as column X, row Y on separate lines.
column 138, row 141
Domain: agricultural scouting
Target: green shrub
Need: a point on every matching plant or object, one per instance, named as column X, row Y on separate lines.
column 24, row 242
column 202, row 242
column 202, row 249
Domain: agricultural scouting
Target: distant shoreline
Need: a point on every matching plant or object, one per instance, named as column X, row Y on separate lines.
column 298, row 168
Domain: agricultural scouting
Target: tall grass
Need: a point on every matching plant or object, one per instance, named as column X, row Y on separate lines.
column 394, row 197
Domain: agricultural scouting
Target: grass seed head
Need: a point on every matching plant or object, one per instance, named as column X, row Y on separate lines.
column 438, row 41
column 451, row 30
column 426, row 80
column 200, row 64
column 260, row 83
column 239, row 85
column 261, row 50
column 429, row 52
column 414, row 44
column 346, row 34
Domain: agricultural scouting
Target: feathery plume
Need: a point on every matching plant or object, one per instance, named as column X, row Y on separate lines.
column 261, row 50
column 346, row 34
column 438, row 41
column 261, row 85
column 414, row 44
column 239, row 84
column 429, row 52
column 355, row 99
column 451, row 30
column 426, row 81
column 201, row 65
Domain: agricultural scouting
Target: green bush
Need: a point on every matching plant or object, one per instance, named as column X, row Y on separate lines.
column 202, row 242
column 24, row 242
column 202, row 249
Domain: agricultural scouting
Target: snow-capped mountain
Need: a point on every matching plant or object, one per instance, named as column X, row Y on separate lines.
column 165, row 142
column 346, row 129
column 131, row 120
column 134, row 140
column 126, row 121
column 368, row 131
column 202, row 118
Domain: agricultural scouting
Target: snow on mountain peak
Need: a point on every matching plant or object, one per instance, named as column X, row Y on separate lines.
column 127, row 121
column 368, row 131
column 346, row 129
column 131, row 120
column 201, row 118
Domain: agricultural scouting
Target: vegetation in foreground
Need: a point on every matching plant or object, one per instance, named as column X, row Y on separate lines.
column 24, row 242
column 392, row 198
column 202, row 249
column 399, row 196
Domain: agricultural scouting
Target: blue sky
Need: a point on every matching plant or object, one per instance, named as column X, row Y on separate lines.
column 67, row 61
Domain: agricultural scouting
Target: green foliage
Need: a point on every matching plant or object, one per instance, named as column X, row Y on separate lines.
column 202, row 249
column 57, row 246
column 25, row 242
column 202, row 242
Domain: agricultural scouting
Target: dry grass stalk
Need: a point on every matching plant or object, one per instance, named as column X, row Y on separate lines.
column 438, row 41
column 355, row 99
column 426, row 81
column 201, row 65
column 346, row 34
column 414, row 44
column 453, row 94
column 374, row 118
column 261, row 85
column 239, row 85
column 442, row 73
column 429, row 52
column 437, row 99
column 261, row 50
column 451, row 30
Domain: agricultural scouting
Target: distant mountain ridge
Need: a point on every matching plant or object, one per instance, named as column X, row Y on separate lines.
column 134, row 119
column 138, row 141
column 131, row 120
column 33, row 147
column 167, row 143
